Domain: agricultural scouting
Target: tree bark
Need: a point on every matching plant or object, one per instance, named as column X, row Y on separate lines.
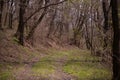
column 106, row 24
column 1, row 10
column 10, row 14
column 20, row 30
column 116, row 41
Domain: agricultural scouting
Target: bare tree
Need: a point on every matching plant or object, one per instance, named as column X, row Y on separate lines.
column 116, row 40
column 1, row 10
column 20, row 30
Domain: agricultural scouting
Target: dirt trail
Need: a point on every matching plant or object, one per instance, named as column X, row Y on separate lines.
column 25, row 72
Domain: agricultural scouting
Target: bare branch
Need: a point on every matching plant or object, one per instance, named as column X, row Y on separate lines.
column 43, row 8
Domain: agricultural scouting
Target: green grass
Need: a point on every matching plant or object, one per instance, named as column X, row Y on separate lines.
column 6, row 75
column 15, row 40
column 43, row 69
column 87, row 71
column 5, row 72
column 56, row 55
column 47, row 65
column 77, row 63
column 81, row 66
column 74, row 54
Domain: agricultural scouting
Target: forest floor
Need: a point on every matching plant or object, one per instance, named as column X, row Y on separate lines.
column 26, row 63
column 72, row 64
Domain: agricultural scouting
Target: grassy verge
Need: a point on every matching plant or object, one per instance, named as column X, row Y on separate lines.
column 85, row 67
column 87, row 71
column 5, row 72
column 77, row 63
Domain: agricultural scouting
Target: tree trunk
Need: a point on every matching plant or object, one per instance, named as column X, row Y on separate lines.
column 1, row 10
column 116, row 41
column 10, row 14
column 20, row 30
column 105, row 27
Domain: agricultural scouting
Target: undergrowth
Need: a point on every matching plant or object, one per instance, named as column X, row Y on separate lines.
column 5, row 72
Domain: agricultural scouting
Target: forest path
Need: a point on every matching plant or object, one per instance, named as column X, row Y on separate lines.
column 72, row 64
column 49, row 67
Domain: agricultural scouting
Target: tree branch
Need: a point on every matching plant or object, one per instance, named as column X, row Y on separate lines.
column 43, row 8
